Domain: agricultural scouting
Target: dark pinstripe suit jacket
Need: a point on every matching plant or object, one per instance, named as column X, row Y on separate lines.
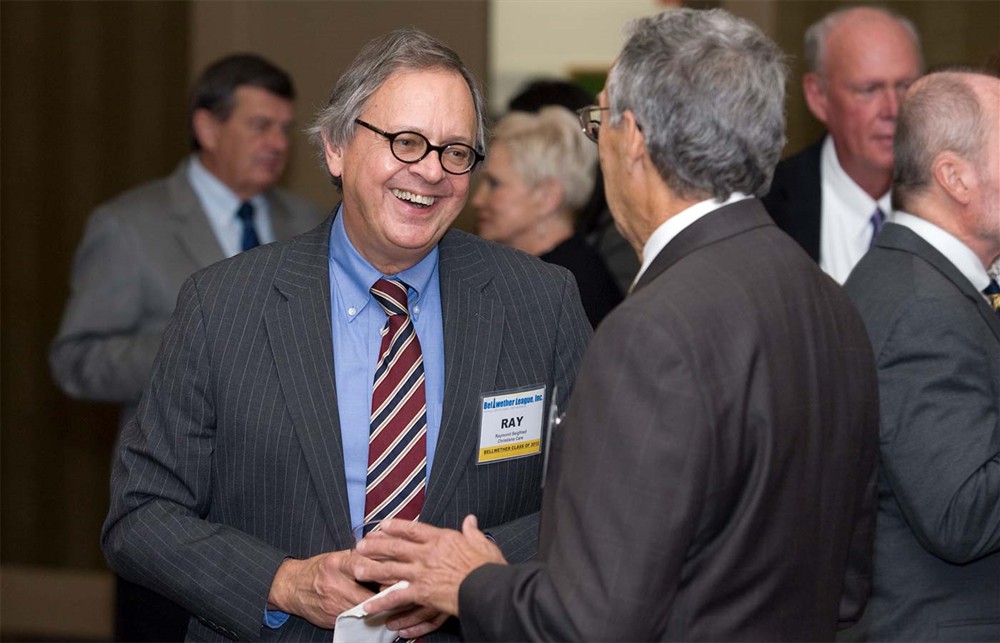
column 234, row 461
column 730, row 407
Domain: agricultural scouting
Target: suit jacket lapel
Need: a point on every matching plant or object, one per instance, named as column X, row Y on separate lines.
column 473, row 330
column 299, row 330
column 902, row 238
column 193, row 230
column 725, row 222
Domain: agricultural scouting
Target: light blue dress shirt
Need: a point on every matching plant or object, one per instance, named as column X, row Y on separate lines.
column 220, row 205
column 357, row 327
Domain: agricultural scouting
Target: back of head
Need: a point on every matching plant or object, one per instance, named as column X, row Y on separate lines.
column 407, row 49
column 550, row 146
column 707, row 89
column 544, row 92
column 216, row 87
column 940, row 114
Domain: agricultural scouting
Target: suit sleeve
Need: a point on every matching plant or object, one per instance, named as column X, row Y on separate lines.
column 157, row 532
column 518, row 539
column 940, row 439
column 624, row 503
column 104, row 350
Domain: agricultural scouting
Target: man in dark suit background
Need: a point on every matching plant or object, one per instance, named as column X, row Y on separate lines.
column 140, row 246
column 833, row 196
column 714, row 475
column 237, row 487
column 925, row 295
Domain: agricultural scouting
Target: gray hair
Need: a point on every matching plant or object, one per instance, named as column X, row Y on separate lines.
column 941, row 114
column 708, row 90
column 407, row 49
column 550, row 145
column 814, row 44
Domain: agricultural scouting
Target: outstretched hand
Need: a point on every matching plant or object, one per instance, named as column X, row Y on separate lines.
column 434, row 561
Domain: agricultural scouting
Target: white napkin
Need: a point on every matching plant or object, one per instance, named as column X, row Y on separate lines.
column 356, row 625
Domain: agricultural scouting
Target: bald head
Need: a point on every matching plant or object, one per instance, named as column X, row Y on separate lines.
column 861, row 61
column 947, row 149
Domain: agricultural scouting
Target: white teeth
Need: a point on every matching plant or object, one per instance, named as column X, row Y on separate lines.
column 413, row 198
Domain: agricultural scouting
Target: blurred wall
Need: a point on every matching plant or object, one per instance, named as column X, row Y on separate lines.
column 92, row 102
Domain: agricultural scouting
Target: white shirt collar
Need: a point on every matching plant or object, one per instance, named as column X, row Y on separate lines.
column 959, row 254
column 220, row 203
column 673, row 226
column 845, row 220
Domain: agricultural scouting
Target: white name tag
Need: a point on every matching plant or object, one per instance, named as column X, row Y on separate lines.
column 511, row 425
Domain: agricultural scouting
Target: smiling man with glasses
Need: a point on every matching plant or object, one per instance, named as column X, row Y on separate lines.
column 313, row 388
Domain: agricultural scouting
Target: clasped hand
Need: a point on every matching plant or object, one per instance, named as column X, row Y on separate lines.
column 320, row 588
column 433, row 561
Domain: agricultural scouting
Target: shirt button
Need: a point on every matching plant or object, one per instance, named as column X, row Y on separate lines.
column 352, row 311
column 416, row 310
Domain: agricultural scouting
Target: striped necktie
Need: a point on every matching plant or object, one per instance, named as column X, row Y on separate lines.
column 992, row 293
column 245, row 215
column 397, row 444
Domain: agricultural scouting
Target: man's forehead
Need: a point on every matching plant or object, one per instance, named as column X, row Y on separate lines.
column 401, row 96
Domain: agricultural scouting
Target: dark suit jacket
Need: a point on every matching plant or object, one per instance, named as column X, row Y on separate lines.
column 717, row 477
column 136, row 251
column 235, row 460
column 937, row 544
column 795, row 199
column 598, row 290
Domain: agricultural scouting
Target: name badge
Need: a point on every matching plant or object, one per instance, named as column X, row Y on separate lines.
column 511, row 424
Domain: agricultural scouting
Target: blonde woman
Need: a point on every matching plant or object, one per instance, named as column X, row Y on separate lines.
column 539, row 173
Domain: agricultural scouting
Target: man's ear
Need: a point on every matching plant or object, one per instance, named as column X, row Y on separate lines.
column 206, row 128
column 956, row 176
column 635, row 140
column 334, row 158
column 815, row 93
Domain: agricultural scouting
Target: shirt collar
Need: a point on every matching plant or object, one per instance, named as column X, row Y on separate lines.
column 218, row 200
column 355, row 276
column 673, row 226
column 959, row 254
column 857, row 202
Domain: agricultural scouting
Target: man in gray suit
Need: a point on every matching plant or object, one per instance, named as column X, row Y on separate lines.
column 139, row 247
column 924, row 293
column 237, row 487
column 717, row 476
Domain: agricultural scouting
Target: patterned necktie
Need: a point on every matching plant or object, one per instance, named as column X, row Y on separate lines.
column 397, row 444
column 992, row 293
column 245, row 215
column 877, row 221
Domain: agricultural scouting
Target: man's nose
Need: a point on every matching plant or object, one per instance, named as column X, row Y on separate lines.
column 890, row 101
column 278, row 139
column 429, row 168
